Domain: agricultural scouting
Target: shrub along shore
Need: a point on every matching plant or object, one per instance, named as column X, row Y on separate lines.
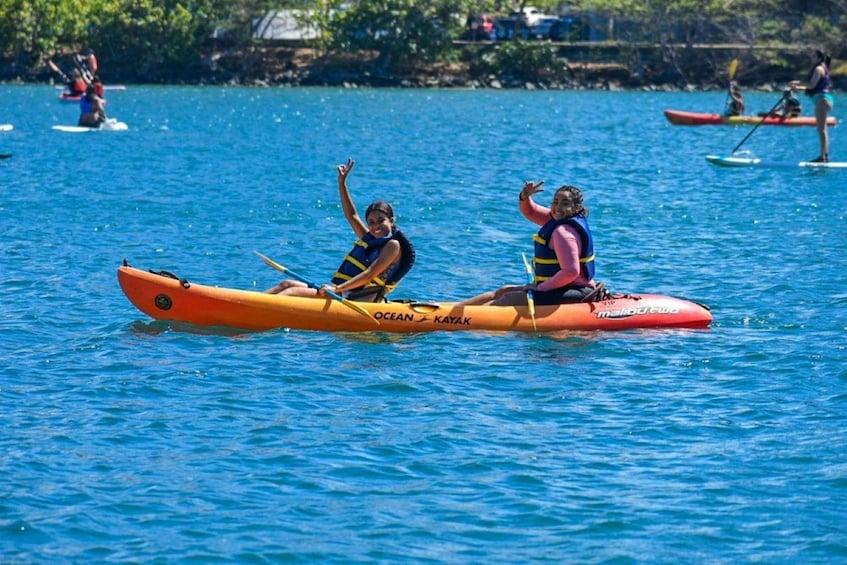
column 521, row 65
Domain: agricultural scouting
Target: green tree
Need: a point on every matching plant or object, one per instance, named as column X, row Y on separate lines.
column 159, row 38
column 32, row 30
column 400, row 31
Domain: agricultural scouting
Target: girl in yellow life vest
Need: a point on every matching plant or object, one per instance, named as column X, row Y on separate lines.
column 379, row 259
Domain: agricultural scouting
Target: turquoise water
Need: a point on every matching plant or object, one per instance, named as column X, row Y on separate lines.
column 125, row 439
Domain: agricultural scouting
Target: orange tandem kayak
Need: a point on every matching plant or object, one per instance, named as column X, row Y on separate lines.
column 163, row 297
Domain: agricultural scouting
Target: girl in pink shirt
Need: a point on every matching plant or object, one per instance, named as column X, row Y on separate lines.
column 564, row 252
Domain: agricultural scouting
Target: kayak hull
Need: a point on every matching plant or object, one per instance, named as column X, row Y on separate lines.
column 731, row 161
column 681, row 118
column 165, row 298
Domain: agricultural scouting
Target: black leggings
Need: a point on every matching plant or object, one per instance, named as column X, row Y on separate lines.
column 562, row 295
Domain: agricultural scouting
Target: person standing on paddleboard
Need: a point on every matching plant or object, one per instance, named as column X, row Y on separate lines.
column 379, row 259
column 564, row 252
column 819, row 88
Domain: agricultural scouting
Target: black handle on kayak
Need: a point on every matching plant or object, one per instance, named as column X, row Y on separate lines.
column 765, row 117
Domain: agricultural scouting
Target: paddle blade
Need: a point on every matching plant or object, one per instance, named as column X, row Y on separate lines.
column 530, row 296
column 359, row 309
column 733, row 68
column 271, row 263
column 349, row 303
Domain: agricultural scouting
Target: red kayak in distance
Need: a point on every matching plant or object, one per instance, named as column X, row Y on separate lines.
column 682, row 118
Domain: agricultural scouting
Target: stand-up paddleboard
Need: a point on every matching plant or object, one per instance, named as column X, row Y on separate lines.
column 732, row 161
column 6, row 127
column 109, row 125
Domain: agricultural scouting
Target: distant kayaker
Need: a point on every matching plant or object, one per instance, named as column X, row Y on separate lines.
column 86, row 61
column 564, row 252
column 76, row 85
column 735, row 102
column 819, row 88
column 790, row 107
column 379, row 259
column 92, row 111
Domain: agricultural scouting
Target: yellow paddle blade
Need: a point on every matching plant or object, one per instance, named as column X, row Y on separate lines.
column 530, row 298
column 733, row 67
column 271, row 263
column 283, row 269
column 359, row 309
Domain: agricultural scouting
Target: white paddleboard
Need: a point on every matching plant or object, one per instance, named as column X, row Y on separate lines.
column 6, row 127
column 109, row 125
column 731, row 161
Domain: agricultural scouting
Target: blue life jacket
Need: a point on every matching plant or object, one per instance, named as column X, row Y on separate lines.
column 545, row 261
column 85, row 107
column 364, row 253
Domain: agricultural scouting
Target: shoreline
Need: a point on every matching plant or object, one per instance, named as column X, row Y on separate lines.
column 295, row 66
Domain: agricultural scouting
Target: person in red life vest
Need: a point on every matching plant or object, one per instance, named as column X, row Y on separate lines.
column 98, row 86
column 86, row 61
column 77, row 85
column 564, row 252
column 90, row 61
column 379, row 259
column 92, row 111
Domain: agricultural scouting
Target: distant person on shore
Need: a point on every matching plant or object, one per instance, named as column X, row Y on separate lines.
column 379, row 259
column 564, row 252
column 735, row 102
column 92, row 111
column 819, row 88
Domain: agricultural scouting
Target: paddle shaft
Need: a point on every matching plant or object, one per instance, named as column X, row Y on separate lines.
column 283, row 269
column 746, row 137
column 61, row 73
column 530, row 295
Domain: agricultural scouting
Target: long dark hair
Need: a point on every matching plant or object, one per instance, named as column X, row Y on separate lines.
column 822, row 58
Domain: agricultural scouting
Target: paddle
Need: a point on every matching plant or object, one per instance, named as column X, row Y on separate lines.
column 530, row 295
column 349, row 303
column 733, row 68
column 59, row 71
column 5, row 155
column 765, row 117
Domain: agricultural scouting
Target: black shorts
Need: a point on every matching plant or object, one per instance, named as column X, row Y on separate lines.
column 562, row 295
